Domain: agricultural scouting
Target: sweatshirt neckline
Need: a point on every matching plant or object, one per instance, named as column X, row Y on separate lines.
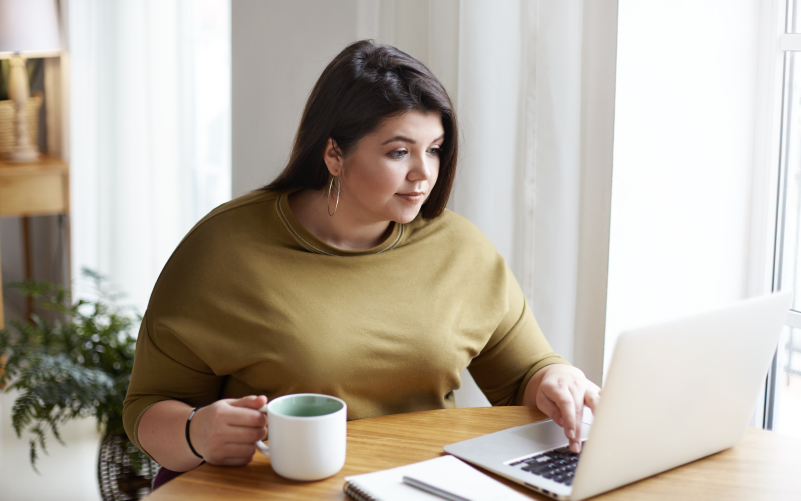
column 313, row 244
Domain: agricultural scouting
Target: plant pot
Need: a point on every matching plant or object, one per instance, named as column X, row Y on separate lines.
column 123, row 471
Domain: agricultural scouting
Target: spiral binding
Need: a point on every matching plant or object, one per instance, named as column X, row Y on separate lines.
column 357, row 493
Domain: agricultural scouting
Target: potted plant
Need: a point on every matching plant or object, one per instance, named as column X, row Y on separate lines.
column 75, row 365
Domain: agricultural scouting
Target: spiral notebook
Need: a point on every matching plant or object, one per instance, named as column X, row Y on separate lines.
column 453, row 478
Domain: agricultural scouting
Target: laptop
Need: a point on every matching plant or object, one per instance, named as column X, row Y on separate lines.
column 675, row 392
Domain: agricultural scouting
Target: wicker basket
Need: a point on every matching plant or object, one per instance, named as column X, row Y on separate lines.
column 123, row 471
column 7, row 121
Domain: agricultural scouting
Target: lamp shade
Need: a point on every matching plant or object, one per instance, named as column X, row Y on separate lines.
column 29, row 27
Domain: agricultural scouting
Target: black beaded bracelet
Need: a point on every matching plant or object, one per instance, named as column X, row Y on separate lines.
column 188, row 441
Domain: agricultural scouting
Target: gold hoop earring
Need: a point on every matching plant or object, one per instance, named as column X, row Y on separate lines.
column 331, row 185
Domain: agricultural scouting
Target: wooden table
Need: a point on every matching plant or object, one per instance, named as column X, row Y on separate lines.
column 764, row 466
column 34, row 189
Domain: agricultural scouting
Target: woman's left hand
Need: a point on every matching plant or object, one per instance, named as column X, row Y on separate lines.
column 561, row 391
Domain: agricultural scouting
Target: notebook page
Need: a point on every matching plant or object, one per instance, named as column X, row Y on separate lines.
column 446, row 472
column 386, row 485
column 462, row 481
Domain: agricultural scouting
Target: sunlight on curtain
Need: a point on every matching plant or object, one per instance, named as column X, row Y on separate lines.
column 150, row 131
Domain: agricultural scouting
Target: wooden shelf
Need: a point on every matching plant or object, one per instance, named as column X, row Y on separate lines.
column 35, row 188
column 38, row 188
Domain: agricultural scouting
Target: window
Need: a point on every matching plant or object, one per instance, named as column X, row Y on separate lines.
column 783, row 403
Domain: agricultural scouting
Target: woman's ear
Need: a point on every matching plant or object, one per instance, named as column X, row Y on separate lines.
column 333, row 158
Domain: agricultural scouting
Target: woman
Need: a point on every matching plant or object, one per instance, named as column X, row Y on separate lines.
column 344, row 276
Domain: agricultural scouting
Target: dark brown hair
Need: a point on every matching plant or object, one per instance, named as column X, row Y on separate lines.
column 363, row 86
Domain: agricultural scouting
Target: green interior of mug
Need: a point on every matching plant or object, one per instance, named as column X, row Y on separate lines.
column 305, row 406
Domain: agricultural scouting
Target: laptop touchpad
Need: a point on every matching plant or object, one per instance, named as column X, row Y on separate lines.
column 546, row 433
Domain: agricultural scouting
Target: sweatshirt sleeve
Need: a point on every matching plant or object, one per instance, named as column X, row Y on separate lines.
column 165, row 369
column 515, row 351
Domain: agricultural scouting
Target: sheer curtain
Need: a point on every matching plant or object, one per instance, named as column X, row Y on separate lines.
column 516, row 71
column 150, row 131
column 518, row 95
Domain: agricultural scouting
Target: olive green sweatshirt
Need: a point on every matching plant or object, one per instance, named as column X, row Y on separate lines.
column 252, row 303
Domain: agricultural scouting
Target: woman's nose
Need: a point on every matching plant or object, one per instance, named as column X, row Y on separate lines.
column 421, row 168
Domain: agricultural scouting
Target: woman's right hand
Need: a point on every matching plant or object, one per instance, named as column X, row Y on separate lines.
column 225, row 432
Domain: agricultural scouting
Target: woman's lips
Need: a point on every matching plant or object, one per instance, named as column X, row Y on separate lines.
column 413, row 197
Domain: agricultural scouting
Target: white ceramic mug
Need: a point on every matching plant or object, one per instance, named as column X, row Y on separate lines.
column 307, row 435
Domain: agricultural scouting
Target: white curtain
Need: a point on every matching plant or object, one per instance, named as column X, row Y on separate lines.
column 150, row 131
column 519, row 99
column 513, row 69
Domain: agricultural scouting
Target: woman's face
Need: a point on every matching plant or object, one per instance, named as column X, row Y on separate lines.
column 392, row 171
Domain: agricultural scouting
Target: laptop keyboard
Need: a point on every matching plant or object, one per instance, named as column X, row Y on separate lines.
column 558, row 465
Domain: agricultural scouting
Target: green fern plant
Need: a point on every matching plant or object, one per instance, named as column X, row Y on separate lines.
column 77, row 366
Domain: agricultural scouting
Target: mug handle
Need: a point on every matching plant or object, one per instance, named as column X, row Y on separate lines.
column 261, row 446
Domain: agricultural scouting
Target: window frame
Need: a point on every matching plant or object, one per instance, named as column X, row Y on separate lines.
column 770, row 166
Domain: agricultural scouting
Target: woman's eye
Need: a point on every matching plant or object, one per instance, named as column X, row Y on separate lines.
column 397, row 153
column 434, row 151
